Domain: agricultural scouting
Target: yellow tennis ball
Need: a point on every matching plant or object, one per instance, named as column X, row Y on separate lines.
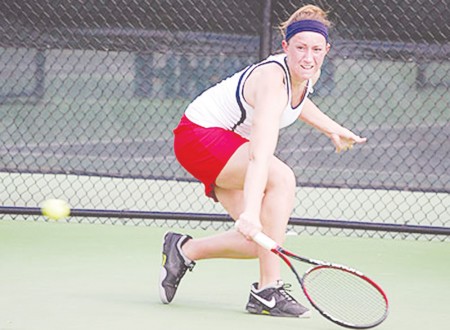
column 55, row 209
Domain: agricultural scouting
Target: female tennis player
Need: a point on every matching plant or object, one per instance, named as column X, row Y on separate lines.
column 227, row 138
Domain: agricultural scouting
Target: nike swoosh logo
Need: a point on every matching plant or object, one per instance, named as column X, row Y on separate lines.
column 269, row 303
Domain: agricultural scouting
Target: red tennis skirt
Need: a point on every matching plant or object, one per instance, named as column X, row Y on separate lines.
column 204, row 152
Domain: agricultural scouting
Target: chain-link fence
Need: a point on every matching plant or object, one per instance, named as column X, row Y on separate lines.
column 91, row 90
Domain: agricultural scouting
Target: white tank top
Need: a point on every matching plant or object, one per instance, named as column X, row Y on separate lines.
column 223, row 105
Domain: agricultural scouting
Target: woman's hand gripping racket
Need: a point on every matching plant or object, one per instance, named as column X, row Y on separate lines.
column 341, row 294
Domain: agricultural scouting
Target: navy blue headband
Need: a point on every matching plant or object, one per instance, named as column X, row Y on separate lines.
column 306, row 25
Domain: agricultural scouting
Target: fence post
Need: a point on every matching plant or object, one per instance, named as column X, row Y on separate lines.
column 265, row 45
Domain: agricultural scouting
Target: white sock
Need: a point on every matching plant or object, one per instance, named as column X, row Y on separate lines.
column 275, row 284
column 187, row 261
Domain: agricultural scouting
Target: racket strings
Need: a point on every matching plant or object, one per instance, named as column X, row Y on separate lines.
column 344, row 296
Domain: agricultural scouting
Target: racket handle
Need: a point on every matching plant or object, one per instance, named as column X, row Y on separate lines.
column 265, row 241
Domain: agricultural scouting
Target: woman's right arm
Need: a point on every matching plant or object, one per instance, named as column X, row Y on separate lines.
column 265, row 91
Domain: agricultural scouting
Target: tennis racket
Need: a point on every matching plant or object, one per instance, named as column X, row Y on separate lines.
column 341, row 294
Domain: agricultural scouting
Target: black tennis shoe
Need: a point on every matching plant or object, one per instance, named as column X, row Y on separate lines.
column 174, row 265
column 275, row 301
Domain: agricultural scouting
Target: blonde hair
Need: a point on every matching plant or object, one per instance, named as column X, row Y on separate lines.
column 305, row 12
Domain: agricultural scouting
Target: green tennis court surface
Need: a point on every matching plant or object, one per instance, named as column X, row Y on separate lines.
column 84, row 276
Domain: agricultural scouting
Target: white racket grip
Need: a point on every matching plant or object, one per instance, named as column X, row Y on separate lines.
column 265, row 241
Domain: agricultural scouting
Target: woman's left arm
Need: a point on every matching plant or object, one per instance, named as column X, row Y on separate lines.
column 341, row 137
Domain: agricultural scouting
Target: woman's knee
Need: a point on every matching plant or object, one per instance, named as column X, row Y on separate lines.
column 281, row 177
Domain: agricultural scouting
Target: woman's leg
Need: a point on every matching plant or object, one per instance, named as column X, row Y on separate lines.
column 277, row 206
column 268, row 296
